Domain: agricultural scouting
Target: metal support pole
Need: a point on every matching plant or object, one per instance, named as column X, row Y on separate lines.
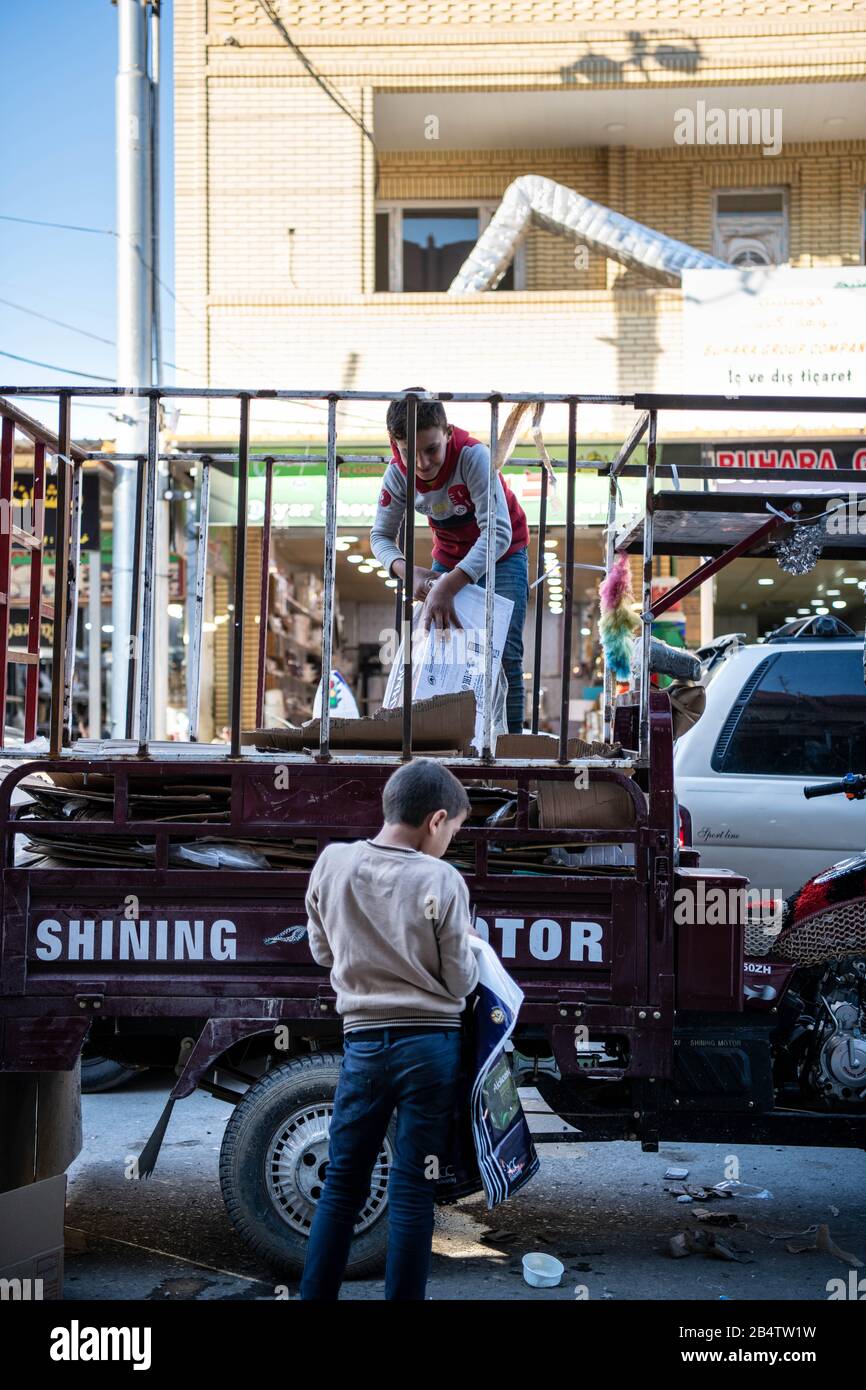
column 490, row 585
column 135, row 598
column 94, row 645
column 646, row 591
column 134, row 317
column 409, row 581
column 263, row 594
column 195, row 632
column 156, row 309
column 609, row 542
column 148, row 576
column 61, row 574
column 539, row 602
column 330, row 578
column 72, row 601
column 568, row 590
column 240, row 576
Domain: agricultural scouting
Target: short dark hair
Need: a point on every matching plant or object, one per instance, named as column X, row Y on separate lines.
column 429, row 415
column 415, row 791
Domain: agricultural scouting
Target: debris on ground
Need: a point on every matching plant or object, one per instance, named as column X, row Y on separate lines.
column 823, row 1243
column 499, row 1236
column 702, row 1242
column 675, row 1172
column 730, row 1187
column 719, row 1218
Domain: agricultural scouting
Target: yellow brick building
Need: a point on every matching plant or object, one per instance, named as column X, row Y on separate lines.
column 303, row 147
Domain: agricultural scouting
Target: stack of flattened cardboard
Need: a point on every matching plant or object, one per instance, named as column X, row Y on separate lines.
column 441, row 726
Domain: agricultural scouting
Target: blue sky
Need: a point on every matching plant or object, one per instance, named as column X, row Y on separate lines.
column 57, row 124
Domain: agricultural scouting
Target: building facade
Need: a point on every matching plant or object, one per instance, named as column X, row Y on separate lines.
column 333, row 168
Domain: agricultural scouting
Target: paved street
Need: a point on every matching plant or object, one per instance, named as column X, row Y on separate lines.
column 601, row 1208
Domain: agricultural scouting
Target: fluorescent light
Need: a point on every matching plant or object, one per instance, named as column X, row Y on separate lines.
column 175, row 610
column 816, row 602
column 390, row 583
column 586, row 632
column 834, row 593
column 382, row 574
column 839, row 603
column 355, row 559
column 849, row 579
column 822, row 611
column 353, row 540
column 340, row 545
column 766, row 581
column 790, row 620
column 365, row 569
column 804, row 610
column 551, row 545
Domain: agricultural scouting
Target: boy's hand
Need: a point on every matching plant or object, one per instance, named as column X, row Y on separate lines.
column 438, row 610
column 422, row 582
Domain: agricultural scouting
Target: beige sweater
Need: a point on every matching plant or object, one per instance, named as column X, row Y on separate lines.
column 393, row 926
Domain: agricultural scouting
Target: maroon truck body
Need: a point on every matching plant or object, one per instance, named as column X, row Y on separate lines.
column 599, row 951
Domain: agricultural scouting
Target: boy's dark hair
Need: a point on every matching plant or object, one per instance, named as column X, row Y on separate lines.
column 429, row 415
column 415, row 791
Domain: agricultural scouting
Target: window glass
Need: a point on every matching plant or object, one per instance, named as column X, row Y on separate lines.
column 750, row 228
column 805, row 717
column 436, row 242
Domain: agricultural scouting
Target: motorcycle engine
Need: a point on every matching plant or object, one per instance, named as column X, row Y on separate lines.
column 833, row 1059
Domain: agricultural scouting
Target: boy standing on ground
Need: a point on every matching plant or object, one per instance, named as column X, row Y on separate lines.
column 452, row 471
column 392, row 921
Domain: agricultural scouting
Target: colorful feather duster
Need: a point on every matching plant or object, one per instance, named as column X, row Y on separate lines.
column 620, row 617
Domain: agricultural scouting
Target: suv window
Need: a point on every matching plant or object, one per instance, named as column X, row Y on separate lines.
column 800, row 714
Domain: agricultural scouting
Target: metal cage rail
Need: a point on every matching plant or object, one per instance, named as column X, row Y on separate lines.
column 69, row 459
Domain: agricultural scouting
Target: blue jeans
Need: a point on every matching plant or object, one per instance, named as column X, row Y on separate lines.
column 512, row 581
column 417, row 1071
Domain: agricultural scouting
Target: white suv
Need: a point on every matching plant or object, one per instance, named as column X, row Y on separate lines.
column 780, row 716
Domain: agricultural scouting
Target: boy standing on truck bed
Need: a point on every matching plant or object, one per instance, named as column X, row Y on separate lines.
column 452, row 471
column 392, row 921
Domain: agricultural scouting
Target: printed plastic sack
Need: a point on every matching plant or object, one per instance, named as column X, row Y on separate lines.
column 445, row 664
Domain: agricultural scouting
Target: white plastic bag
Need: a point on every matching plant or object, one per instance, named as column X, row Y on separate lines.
column 447, row 663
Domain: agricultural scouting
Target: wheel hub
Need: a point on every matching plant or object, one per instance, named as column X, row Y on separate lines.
column 296, row 1164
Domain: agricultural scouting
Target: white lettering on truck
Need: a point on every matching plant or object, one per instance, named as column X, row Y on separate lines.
column 545, row 938
column 143, row 940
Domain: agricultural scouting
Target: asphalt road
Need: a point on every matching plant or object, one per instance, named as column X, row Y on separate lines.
column 603, row 1209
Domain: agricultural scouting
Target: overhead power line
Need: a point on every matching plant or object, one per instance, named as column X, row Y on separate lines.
column 330, row 91
column 51, row 367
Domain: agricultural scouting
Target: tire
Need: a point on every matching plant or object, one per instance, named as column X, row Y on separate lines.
column 102, row 1074
column 283, row 1118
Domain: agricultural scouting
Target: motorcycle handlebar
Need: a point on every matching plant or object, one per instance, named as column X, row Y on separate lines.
column 849, row 784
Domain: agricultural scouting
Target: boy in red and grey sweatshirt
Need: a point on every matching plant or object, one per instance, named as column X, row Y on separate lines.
column 452, row 471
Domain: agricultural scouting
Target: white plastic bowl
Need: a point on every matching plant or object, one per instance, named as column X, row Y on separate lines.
column 542, row 1271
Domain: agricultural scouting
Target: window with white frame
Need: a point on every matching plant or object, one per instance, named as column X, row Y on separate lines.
column 420, row 246
column 750, row 226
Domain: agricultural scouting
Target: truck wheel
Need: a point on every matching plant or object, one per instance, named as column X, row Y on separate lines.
column 102, row 1074
column 273, row 1161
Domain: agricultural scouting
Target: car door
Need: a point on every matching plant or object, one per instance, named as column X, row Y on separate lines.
column 797, row 720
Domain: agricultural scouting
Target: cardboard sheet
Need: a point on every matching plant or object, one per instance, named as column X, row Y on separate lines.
column 443, row 724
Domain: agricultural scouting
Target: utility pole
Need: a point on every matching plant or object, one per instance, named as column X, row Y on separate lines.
column 134, row 319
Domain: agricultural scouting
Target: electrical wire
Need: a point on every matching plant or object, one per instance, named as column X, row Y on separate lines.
column 200, row 318
column 46, row 318
column 50, row 367
column 338, row 100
